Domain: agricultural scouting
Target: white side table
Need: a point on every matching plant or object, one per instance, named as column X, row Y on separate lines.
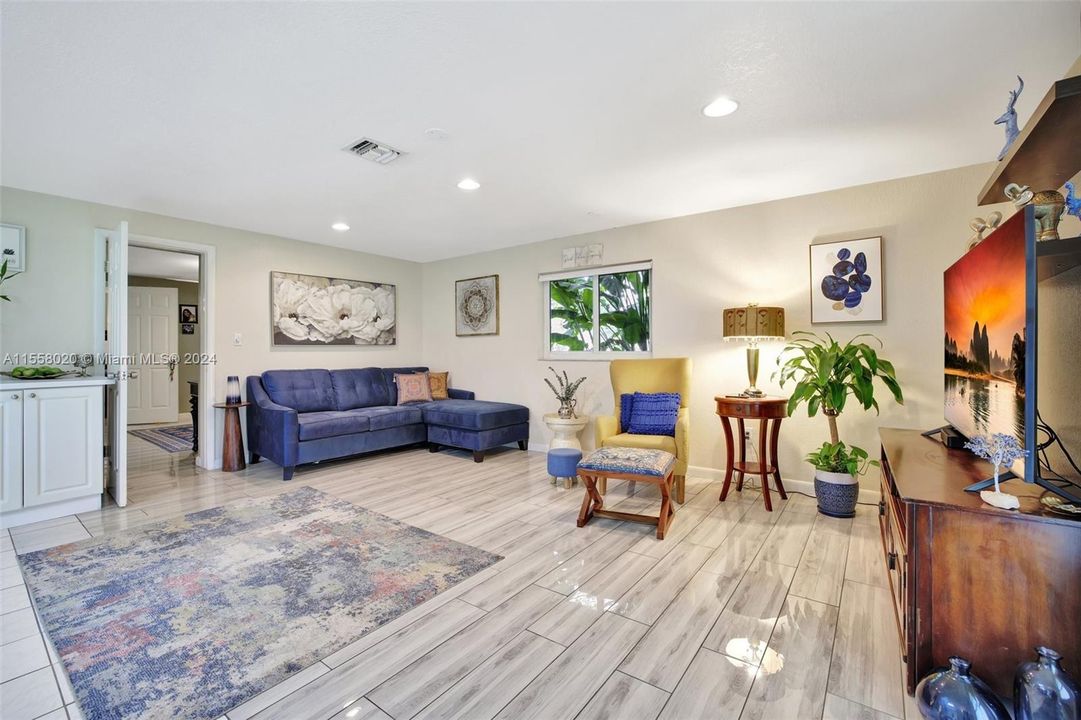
column 565, row 430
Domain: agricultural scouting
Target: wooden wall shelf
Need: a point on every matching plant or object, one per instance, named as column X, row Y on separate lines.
column 1054, row 257
column 1047, row 153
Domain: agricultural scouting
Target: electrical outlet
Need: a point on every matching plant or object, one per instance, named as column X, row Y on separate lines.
column 238, row 339
column 746, row 434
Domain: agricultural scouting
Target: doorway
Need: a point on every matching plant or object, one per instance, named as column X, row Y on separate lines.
column 114, row 248
column 163, row 374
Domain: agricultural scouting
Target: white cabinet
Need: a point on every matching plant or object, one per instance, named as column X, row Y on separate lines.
column 51, row 449
column 11, row 450
column 62, row 444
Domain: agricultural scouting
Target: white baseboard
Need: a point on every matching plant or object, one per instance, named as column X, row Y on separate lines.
column 37, row 513
column 807, row 487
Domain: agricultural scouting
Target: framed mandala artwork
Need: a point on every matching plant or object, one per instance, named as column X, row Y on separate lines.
column 846, row 281
column 476, row 306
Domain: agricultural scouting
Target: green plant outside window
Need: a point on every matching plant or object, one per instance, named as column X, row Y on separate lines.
column 606, row 311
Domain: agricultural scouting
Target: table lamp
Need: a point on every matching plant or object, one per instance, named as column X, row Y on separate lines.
column 752, row 324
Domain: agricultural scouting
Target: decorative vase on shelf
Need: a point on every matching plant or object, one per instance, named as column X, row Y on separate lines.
column 232, row 390
column 1049, row 205
column 954, row 693
column 566, row 408
column 1043, row 691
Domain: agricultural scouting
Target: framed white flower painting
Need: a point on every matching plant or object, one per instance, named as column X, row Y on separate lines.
column 846, row 281
column 316, row 310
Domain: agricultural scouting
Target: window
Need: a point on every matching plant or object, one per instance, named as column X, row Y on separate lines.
column 601, row 311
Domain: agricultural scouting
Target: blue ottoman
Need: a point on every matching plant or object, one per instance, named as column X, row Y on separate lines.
column 563, row 463
column 476, row 425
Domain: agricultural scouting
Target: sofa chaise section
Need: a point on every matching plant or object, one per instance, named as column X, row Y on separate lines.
column 303, row 416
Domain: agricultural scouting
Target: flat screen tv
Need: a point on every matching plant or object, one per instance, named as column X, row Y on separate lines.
column 990, row 344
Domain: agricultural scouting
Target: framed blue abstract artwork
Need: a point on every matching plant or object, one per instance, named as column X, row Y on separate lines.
column 847, row 281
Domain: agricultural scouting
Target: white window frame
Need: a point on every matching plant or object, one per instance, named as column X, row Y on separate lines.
column 595, row 271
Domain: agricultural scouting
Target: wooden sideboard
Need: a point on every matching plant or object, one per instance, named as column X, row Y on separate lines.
column 969, row 579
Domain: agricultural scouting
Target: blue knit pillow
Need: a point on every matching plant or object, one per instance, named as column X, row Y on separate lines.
column 654, row 414
column 626, row 404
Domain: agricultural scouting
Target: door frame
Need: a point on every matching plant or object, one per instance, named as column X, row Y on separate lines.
column 208, row 456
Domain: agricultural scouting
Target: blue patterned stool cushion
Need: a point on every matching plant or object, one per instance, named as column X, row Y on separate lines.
column 563, row 462
column 631, row 461
column 654, row 414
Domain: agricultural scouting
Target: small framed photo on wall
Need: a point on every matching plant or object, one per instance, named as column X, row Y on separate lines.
column 189, row 314
column 13, row 247
column 847, row 281
column 187, row 329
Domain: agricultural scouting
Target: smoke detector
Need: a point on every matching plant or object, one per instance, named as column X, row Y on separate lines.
column 375, row 151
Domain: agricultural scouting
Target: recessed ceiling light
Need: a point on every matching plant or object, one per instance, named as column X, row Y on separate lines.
column 339, row 226
column 468, row 184
column 720, row 107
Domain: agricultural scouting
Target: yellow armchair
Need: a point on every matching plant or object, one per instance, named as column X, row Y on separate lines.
column 651, row 376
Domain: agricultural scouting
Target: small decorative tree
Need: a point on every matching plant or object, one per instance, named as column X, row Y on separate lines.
column 1001, row 450
column 565, row 392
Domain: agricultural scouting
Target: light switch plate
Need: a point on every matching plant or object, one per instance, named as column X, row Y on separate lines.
column 238, row 339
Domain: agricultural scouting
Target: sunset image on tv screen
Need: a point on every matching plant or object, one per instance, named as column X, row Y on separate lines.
column 985, row 335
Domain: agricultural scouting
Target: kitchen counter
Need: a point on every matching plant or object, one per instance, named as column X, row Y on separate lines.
column 10, row 383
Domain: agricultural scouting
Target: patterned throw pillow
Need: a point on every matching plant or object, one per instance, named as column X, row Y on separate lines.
column 654, row 414
column 438, row 382
column 413, row 387
column 626, row 405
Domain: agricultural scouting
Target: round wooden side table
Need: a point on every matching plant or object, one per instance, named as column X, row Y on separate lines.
column 565, row 430
column 232, row 447
column 769, row 411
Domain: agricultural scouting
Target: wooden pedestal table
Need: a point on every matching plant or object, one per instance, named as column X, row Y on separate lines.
column 769, row 411
column 635, row 465
column 232, row 448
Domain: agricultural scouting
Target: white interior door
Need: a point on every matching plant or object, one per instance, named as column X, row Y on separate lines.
column 152, row 344
column 116, row 342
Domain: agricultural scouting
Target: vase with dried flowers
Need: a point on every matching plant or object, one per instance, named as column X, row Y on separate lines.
column 565, row 392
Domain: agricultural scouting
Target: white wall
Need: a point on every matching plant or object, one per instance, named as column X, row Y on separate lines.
column 704, row 263
column 51, row 308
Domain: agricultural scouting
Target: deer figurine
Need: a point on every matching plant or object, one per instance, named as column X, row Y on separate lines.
column 1009, row 118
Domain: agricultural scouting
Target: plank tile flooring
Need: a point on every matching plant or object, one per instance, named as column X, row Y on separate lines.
column 738, row 613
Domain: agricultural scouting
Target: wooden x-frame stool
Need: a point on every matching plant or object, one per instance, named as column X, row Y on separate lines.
column 632, row 464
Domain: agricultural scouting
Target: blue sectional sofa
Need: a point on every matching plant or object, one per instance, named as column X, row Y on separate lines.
column 304, row 416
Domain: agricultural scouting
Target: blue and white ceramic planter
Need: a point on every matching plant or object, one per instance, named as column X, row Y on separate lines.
column 836, row 493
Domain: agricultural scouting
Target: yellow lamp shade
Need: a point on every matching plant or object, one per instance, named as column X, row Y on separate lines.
column 754, row 322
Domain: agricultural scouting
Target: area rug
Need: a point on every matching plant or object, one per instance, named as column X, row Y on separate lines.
column 176, row 438
column 191, row 617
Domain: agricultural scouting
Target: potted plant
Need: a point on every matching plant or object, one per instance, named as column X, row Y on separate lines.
column 825, row 374
column 565, row 392
column 5, row 275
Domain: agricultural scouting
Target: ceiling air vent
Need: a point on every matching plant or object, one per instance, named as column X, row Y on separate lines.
column 376, row 152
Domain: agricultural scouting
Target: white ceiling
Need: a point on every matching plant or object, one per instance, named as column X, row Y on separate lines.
column 573, row 116
column 150, row 262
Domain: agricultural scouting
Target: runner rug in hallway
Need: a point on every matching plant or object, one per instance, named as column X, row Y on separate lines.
column 191, row 617
column 175, row 438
